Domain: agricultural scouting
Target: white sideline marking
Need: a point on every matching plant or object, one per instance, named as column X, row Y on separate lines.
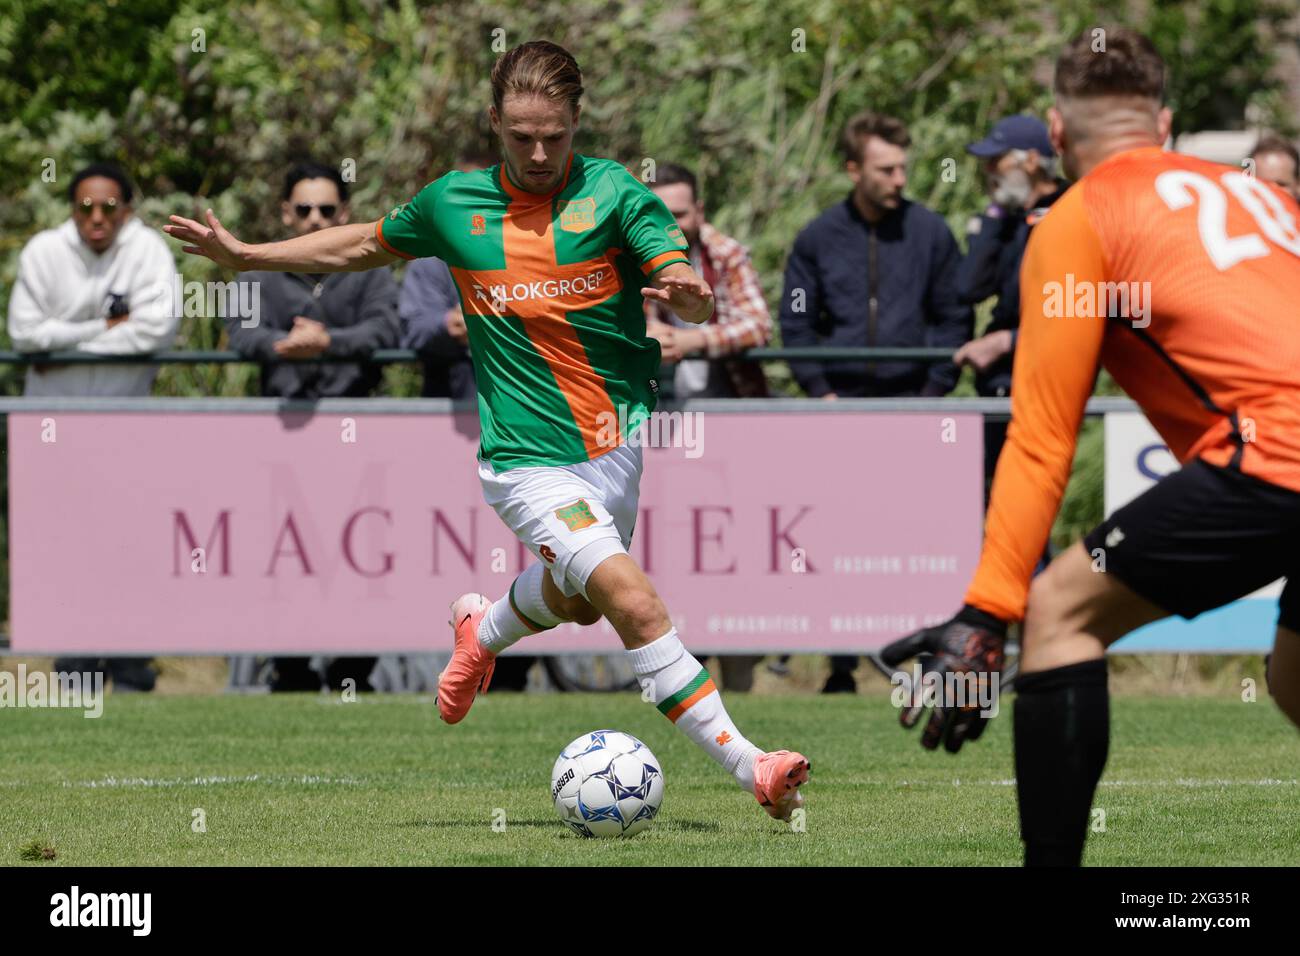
column 310, row 779
column 1194, row 782
column 1181, row 782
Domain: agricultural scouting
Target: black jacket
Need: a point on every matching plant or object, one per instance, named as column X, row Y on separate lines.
column 358, row 308
column 428, row 292
column 995, row 246
column 908, row 263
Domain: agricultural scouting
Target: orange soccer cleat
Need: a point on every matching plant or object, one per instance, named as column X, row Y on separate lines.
column 470, row 669
column 777, row 778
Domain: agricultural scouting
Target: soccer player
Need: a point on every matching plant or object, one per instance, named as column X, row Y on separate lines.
column 549, row 251
column 1180, row 277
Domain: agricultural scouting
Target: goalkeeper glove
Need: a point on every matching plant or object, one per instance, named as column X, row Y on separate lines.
column 970, row 643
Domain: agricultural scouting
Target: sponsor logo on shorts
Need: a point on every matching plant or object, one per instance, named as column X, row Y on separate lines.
column 577, row 515
column 547, row 554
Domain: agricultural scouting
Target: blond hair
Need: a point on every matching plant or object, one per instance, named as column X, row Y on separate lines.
column 537, row 68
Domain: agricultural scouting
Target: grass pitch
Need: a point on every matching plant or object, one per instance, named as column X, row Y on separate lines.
column 307, row 779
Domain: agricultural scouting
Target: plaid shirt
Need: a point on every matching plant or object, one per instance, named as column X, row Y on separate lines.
column 740, row 316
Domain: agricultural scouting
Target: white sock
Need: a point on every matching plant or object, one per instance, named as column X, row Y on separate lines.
column 522, row 611
column 685, row 694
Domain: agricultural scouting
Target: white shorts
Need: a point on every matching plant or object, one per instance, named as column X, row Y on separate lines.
column 573, row 517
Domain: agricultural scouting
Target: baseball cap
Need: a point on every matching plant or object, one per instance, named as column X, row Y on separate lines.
column 1014, row 132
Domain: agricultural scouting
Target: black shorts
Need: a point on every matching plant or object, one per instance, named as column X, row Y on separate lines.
column 1203, row 537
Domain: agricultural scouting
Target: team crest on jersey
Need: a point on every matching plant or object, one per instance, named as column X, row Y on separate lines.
column 577, row 515
column 577, row 215
column 477, row 225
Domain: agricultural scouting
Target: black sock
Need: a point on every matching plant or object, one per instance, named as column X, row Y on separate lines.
column 1062, row 732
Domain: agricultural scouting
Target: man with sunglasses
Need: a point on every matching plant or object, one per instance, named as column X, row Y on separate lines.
column 349, row 314
column 100, row 282
column 306, row 316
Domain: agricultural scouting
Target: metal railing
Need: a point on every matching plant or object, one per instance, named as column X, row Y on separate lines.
column 997, row 409
column 994, row 408
column 391, row 356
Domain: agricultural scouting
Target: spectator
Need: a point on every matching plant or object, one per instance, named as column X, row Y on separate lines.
column 100, row 282
column 740, row 321
column 349, row 314
column 432, row 322
column 1277, row 161
column 740, row 318
column 874, row 270
column 1019, row 169
column 434, row 326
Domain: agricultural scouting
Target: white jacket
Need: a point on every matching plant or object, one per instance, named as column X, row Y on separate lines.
column 60, row 302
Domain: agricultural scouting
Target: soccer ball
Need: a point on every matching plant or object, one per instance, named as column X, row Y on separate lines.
column 607, row 784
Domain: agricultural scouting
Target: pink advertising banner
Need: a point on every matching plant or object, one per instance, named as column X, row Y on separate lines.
column 215, row 533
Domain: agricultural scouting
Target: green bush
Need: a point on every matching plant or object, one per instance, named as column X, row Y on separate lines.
column 206, row 103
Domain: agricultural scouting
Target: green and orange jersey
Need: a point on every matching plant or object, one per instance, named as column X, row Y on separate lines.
column 1207, row 343
column 550, row 286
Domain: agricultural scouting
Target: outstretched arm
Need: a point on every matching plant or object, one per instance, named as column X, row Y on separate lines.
column 350, row 248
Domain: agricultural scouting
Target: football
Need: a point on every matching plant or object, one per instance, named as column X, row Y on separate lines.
column 607, row 784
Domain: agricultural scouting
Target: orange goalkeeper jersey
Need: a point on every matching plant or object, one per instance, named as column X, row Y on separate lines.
column 1182, row 278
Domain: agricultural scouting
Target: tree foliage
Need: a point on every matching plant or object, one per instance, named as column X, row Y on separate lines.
column 206, row 103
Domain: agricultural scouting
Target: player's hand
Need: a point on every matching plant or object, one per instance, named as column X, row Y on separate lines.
column 684, row 292
column 969, row 643
column 982, row 352
column 212, row 240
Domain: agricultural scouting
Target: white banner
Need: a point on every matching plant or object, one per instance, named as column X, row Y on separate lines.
column 1136, row 458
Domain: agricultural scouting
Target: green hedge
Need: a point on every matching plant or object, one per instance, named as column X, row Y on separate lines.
column 207, row 103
